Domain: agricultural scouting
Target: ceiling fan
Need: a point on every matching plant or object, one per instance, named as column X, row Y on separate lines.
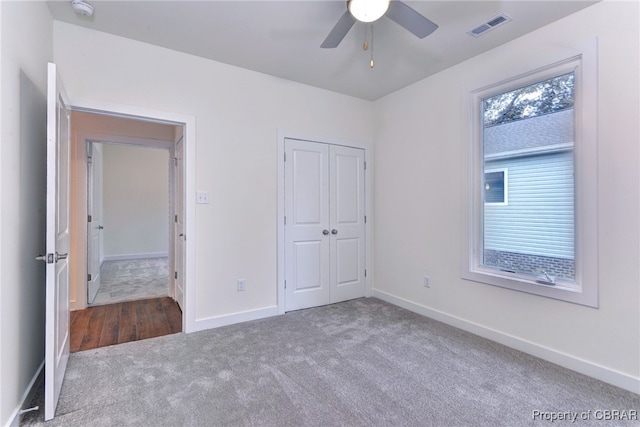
column 372, row 10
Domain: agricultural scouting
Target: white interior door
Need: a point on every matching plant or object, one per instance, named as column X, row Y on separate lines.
column 325, row 224
column 57, row 271
column 179, row 230
column 94, row 220
column 347, row 218
column 307, row 224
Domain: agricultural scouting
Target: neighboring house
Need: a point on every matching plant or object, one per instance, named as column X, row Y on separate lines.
column 529, row 197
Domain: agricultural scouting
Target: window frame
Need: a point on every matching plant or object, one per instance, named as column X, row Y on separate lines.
column 584, row 290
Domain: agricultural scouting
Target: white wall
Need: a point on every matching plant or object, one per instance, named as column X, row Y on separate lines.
column 25, row 37
column 135, row 201
column 237, row 113
column 418, row 211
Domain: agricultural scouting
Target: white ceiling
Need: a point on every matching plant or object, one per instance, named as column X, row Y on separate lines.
column 282, row 38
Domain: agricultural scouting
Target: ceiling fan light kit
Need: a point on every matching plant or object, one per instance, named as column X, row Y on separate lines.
column 368, row 10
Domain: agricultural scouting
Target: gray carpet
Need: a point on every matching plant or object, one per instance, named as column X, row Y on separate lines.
column 358, row 363
column 134, row 279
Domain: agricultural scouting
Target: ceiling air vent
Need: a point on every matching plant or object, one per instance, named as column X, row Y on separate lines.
column 489, row 25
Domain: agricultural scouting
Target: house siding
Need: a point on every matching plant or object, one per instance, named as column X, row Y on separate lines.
column 538, row 216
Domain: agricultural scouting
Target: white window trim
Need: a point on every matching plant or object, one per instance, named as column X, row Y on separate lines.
column 584, row 290
column 505, row 180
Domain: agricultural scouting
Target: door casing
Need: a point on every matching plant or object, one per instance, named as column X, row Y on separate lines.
column 282, row 136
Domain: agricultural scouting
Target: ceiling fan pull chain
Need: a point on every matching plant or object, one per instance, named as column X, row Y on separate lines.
column 365, row 45
column 371, row 63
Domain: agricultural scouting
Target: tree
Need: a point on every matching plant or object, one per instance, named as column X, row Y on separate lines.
column 545, row 97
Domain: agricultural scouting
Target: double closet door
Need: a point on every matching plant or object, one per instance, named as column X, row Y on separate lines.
column 325, row 224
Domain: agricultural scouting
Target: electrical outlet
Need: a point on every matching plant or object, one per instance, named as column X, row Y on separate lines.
column 241, row 284
column 427, row 282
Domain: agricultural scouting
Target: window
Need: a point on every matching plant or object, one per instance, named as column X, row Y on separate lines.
column 496, row 187
column 530, row 130
column 532, row 199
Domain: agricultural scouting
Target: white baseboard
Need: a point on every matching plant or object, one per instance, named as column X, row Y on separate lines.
column 230, row 319
column 14, row 420
column 125, row 257
column 599, row 372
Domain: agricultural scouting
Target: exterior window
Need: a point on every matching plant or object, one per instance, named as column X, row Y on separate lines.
column 530, row 131
column 530, row 154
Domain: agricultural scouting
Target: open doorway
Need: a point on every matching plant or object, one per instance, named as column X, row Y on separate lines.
column 126, row 197
column 128, row 222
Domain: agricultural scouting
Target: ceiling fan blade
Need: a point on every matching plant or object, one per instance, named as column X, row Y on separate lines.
column 339, row 31
column 411, row 20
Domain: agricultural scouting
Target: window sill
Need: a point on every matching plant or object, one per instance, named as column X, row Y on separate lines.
column 562, row 290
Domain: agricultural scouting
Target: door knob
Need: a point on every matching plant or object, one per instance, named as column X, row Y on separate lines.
column 325, row 232
column 61, row 256
column 334, row 231
column 100, row 227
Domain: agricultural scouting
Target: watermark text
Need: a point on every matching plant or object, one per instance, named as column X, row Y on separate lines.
column 598, row 414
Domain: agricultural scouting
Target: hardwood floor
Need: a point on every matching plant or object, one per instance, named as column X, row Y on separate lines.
column 110, row 324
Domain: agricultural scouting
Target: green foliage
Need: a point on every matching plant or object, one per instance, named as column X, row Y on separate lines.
column 545, row 97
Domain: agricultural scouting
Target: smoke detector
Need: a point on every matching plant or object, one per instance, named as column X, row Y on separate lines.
column 82, row 8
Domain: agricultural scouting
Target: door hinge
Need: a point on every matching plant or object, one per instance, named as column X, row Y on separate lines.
column 285, row 157
column 285, row 284
column 175, row 161
column 365, row 165
column 175, row 218
column 365, row 219
column 285, row 220
column 365, row 273
column 175, row 274
column 89, row 218
column 88, row 277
